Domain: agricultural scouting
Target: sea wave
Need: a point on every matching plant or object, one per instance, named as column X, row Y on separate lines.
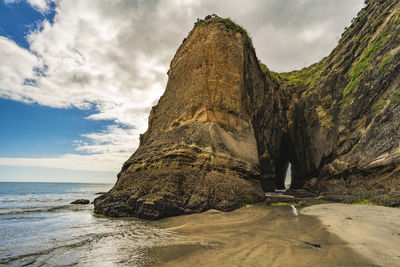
column 31, row 258
column 24, row 200
column 123, row 241
column 39, row 209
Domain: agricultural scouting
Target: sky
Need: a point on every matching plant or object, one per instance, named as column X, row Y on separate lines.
column 78, row 78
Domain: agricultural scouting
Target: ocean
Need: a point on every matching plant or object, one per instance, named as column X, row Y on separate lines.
column 38, row 227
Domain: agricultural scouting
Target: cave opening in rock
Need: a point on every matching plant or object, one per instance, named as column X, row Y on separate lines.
column 283, row 178
column 288, row 177
column 284, row 175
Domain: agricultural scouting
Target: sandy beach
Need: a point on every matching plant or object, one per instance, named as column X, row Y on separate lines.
column 256, row 235
column 372, row 231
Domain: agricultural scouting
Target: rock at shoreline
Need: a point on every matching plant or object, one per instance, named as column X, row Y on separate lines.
column 202, row 153
column 81, row 202
column 226, row 127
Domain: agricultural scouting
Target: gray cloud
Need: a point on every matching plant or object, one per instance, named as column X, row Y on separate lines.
column 290, row 34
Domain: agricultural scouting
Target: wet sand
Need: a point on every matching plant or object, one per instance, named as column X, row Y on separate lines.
column 258, row 235
column 372, row 231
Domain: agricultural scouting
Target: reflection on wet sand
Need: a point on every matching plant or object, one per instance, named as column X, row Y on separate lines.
column 258, row 235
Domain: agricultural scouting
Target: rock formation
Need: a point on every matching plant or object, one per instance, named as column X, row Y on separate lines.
column 343, row 113
column 226, row 127
column 200, row 150
column 80, row 202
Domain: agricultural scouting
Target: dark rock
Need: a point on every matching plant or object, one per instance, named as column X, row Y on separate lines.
column 313, row 244
column 81, row 201
column 100, row 193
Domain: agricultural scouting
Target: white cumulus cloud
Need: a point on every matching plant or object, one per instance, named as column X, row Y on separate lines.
column 40, row 5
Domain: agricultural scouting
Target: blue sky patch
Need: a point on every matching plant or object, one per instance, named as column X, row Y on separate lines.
column 32, row 130
column 19, row 18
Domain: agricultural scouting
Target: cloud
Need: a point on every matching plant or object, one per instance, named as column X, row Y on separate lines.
column 17, row 68
column 114, row 55
column 97, row 162
column 42, row 6
column 115, row 140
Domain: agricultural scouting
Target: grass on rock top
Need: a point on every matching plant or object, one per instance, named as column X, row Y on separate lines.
column 228, row 24
column 306, row 76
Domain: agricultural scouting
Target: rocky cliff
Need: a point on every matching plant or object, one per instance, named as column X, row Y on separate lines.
column 343, row 113
column 226, row 127
column 200, row 149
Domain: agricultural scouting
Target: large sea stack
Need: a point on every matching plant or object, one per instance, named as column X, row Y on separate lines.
column 200, row 149
column 226, row 127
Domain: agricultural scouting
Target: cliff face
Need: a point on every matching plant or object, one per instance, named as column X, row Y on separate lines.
column 226, row 128
column 200, row 150
column 343, row 112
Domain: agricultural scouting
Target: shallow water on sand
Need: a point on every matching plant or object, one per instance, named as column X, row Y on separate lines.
column 39, row 227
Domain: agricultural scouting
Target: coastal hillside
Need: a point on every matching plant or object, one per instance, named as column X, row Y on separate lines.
column 226, row 127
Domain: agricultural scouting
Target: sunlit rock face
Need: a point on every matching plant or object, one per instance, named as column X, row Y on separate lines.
column 226, row 127
column 200, row 149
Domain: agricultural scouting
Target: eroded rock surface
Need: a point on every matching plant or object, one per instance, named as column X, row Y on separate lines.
column 200, row 150
column 226, row 127
column 343, row 118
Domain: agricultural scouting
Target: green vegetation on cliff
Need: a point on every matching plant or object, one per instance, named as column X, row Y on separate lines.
column 274, row 75
column 377, row 108
column 306, row 76
column 361, row 66
column 395, row 96
column 385, row 63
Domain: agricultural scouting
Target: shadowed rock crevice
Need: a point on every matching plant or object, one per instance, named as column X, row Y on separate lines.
column 226, row 127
